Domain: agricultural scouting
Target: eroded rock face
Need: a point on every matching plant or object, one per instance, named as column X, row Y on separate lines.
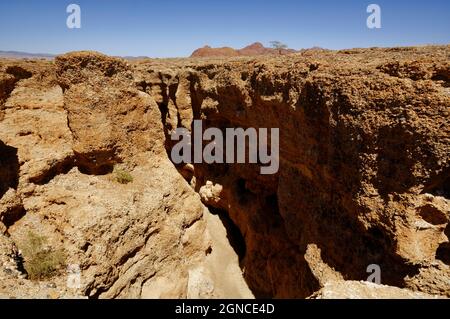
column 363, row 178
column 67, row 127
column 364, row 163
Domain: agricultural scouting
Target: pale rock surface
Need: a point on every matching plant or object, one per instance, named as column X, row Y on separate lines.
column 366, row 290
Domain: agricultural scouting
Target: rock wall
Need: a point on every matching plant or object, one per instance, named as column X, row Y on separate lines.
column 364, row 162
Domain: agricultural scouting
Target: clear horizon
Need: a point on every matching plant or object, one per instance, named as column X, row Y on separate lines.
column 176, row 29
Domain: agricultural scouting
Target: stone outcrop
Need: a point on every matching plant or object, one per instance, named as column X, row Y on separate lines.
column 364, row 175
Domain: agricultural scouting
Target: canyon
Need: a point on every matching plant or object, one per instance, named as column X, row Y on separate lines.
column 234, row 147
column 363, row 179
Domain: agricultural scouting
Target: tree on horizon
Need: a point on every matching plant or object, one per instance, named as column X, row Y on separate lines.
column 277, row 45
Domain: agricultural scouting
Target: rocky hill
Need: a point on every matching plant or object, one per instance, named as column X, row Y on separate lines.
column 254, row 49
column 86, row 180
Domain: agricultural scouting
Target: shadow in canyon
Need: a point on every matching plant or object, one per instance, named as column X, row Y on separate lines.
column 9, row 168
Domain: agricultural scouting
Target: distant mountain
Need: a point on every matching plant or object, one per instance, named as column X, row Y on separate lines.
column 25, row 55
column 208, row 51
column 254, row 49
column 258, row 49
column 132, row 58
column 46, row 56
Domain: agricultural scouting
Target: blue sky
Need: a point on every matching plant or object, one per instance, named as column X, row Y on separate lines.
column 175, row 27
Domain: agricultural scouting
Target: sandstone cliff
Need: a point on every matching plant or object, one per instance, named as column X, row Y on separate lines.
column 364, row 174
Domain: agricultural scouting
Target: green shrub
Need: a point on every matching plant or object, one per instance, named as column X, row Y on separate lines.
column 40, row 260
column 121, row 176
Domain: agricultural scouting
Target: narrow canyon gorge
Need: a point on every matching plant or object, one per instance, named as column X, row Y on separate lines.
column 363, row 179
